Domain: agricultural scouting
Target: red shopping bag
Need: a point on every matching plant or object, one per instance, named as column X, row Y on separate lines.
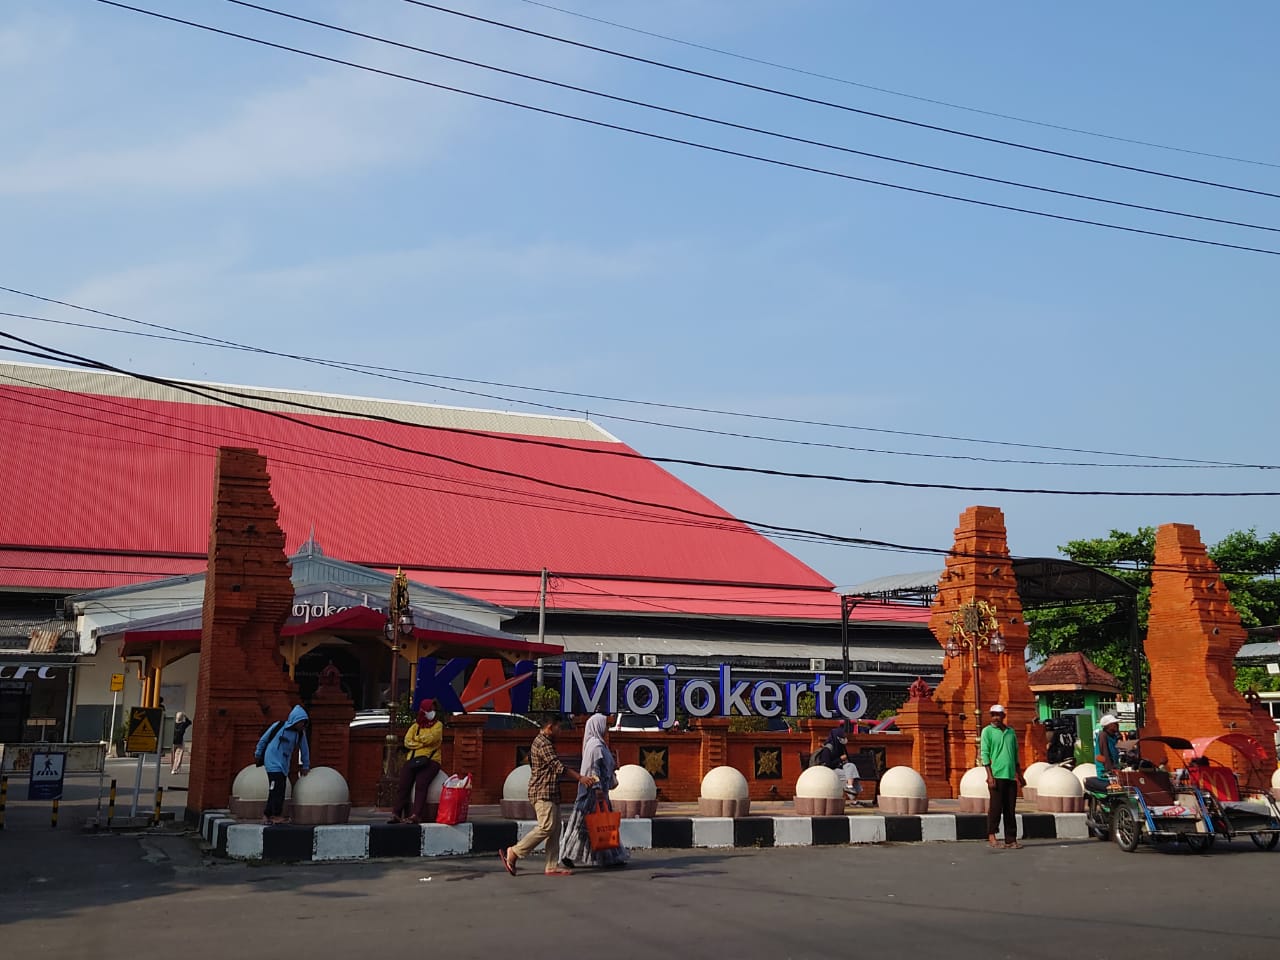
column 604, row 826
column 455, row 800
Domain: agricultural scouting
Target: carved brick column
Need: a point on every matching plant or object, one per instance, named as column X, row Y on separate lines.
column 1193, row 636
column 331, row 713
column 979, row 568
column 242, row 682
column 468, row 755
column 714, row 750
column 921, row 719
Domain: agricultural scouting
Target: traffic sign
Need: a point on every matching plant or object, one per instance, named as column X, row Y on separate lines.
column 117, row 682
column 47, row 770
column 142, row 735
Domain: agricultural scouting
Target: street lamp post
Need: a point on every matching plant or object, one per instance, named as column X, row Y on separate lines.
column 975, row 626
column 398, row 626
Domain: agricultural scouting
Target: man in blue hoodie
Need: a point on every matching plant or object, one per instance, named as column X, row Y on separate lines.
column 276, row 747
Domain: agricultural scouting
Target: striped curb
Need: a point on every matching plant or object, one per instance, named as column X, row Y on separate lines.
column 289, row 843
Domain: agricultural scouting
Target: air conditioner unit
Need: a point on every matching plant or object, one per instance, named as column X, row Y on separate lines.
column 603, row 658
column 649, row 660
column 817, row 664
column 631, row 659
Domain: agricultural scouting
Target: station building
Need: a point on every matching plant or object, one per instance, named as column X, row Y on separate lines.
column 513, row 529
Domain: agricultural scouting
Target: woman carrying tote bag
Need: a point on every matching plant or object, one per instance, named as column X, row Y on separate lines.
column 597, row 760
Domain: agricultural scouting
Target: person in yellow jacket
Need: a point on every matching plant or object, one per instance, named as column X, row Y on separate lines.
column 422, row 741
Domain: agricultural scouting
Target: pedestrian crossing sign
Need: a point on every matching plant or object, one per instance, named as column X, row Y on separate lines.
column 47, row 770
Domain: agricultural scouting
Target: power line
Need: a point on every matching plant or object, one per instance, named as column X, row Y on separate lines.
column 827, row 103
column 724, row 151
column 360, row 369
column 227, row 393
column 898, row 93
column 750, row 129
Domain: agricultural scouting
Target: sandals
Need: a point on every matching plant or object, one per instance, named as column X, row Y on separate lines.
column 511, row 867
column 1013, row 846
column 558, row 872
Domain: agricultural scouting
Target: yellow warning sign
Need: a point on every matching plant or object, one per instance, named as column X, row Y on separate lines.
column 141, row 735
column 117, row 682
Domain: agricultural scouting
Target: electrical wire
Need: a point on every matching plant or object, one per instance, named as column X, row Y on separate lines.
column 226, row 393
column 898, row 93
column 724, row 151
column 747, row 128
column 827, row 103
column 424, row 382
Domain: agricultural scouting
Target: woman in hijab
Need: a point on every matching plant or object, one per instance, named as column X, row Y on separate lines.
column 597, row 761
column 422, row 741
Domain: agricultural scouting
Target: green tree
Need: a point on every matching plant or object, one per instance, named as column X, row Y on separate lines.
column 1101, row 631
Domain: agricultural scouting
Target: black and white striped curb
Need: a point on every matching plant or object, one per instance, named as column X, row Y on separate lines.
column 251, row 841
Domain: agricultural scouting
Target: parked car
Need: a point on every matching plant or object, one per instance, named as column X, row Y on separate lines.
column 494, row 720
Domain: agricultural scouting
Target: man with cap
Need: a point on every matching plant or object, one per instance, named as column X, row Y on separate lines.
column 999, row 754
column 1106, row 752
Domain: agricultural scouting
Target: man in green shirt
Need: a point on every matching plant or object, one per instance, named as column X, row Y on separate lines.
column 999, row 754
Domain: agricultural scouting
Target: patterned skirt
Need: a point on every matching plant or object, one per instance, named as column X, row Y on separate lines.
column 575, row 845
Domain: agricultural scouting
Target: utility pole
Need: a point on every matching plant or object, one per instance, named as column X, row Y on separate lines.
column 542, row 618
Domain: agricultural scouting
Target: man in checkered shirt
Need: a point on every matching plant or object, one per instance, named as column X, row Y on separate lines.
column 544, row 794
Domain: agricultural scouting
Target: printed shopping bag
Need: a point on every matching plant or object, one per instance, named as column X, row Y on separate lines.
column 455, row 800
column 603, row 825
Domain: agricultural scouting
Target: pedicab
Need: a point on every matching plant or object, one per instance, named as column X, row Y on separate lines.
column 1236, row 808
column 1144, row 805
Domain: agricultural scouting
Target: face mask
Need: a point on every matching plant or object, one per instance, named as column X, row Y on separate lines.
column 431, row 714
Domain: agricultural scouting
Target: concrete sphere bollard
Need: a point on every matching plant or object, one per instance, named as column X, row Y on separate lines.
column 321, row 797
column 1032, row 777
column 515, row 803
column 902, row 790
column 724, row 794
column 975, row 796
column 1275, row 780
column 1083, row 770
column 819, row 793
column 1059, row 791
column 636, row 794
column 249, row 793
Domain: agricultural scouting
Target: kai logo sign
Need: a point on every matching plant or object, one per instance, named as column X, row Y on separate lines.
column 489, row 686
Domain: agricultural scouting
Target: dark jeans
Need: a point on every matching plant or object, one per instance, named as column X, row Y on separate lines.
column 1003, row 797
column 275, row 794
column 418, row 779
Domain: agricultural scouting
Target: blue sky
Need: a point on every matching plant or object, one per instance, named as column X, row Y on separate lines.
column 201, row 182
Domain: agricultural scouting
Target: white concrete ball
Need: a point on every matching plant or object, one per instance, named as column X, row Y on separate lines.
column 1275, row 780
column 724, row 783
column 1082, row 770
column 820, row 783
column 1056, row 782
column 516, row 786
column 634, row 783
column 321, row 785
column 251, row 783
column 433, row 791
column 903, row 782
column 974, row 784
column 1032, row 773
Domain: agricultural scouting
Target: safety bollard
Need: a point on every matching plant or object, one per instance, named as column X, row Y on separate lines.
column 54, row 820
column 159, row 800
column 111, row 804
column 4, row 797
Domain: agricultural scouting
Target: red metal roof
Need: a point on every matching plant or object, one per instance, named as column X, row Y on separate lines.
column 107, row 490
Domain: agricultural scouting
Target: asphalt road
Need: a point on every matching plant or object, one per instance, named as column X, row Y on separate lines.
column 107, row 897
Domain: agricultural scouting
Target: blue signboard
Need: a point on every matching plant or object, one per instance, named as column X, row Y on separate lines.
column 46, row 776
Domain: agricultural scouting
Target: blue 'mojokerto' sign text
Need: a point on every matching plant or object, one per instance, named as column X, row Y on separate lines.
column 704, row 698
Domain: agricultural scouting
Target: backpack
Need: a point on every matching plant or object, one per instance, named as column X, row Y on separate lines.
column 273, row 731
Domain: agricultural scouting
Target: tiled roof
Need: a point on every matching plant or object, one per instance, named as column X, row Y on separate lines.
column 130, row 500
column 1072, row 671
